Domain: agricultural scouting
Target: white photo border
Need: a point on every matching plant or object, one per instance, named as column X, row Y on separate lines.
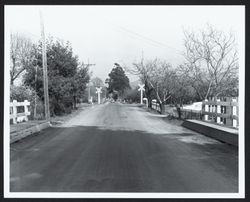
column 6, row 151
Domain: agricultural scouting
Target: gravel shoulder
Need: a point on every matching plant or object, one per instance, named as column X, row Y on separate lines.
column 58, row 120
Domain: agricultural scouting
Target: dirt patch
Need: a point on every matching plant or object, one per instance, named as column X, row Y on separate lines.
column 167, row 118
column 57, row 120
column 173, row 120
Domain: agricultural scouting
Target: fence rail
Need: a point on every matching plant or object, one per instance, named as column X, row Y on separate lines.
column 223, row 111
column 190, row 114
column 156, row 106
column 15, row 115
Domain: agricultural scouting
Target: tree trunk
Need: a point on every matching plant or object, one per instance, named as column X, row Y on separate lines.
column 178, row 109
column 148, row 92
column 74, row 102
column 209, row 89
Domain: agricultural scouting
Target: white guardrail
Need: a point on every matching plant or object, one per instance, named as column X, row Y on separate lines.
column 19, row 116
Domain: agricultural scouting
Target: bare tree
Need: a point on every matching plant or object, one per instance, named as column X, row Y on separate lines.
column 20, row 55
column 212, row 61
column 159, row 78
column 143, row 71
column 164, row 78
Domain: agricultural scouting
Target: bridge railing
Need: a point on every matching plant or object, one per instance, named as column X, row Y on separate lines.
column 221, row 111
column 19, row 111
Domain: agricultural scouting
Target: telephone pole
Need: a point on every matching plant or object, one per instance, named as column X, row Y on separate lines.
column 45, row 75
column 35, row 115
column 88, row 65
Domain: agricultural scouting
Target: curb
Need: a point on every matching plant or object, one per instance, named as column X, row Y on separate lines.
column 216, row 133
column 29, row 131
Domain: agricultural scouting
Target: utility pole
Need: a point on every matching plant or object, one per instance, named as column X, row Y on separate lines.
column 35, row 115
column 89, row 92
column 88, row 65
column 45, row 75
column 89, row 86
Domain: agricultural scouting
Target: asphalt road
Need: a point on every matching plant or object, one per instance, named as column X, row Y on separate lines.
column 122, row 148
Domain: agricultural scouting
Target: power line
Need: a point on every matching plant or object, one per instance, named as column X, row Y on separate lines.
column 89, row 64
column 157, row 43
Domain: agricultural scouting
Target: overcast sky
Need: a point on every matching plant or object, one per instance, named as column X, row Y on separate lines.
column 108, row 34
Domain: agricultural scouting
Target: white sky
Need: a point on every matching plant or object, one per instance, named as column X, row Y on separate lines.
column 109, row 34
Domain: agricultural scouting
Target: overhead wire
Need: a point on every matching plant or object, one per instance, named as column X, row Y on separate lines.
column 140, row 36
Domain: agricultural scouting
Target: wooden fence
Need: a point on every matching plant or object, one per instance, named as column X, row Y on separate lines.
column 221, row 111
column 190, row 114
column 19, row 111
column 156, row 106
column 185, row 113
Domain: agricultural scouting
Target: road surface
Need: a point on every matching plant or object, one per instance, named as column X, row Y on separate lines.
column 118, row 147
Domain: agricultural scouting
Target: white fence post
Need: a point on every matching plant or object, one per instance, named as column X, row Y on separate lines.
column 14, row 111
column 206, row 110
column 26, row 111
column 218, row 110
column 16, row 115
column 146, row 99
column 234, row 113
column 153, row 104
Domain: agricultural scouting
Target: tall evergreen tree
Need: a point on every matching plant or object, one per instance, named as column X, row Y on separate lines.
column 117, row 81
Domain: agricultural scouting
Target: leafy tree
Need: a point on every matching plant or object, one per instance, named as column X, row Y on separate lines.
column 117, row 81
column 67, row 78
column 21, row 93
column 60, row 59
column 132, row 95
column 79, row 83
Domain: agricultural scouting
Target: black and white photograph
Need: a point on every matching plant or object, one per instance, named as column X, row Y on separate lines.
column 124, row 101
